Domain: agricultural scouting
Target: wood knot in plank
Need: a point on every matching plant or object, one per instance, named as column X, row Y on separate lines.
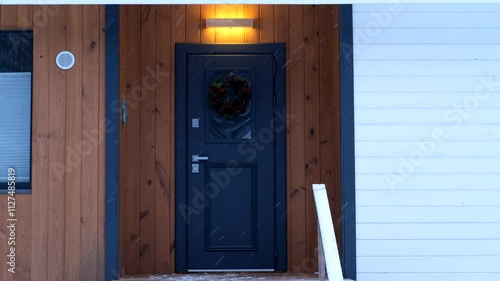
column 163, row 180
column 134, row 237
column 143, row 214
column 143, row 249
column 172, row 246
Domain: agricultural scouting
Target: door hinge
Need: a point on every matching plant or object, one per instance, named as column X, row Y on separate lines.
column 274, row 66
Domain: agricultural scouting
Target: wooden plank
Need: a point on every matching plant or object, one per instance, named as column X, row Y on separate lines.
column 222, row 34
column 123, row 140
column 177, row 35
column 4, row 235
column 330, row 114
column 4, row 247
column 25, row 17
column 148, row 141
column 312, row 127
column 193, row 23
column 73, row 117
column 281, row 24
column 207, row 34
column 129, row 151
column 237, row 34
column 102, row 145
column 90, row 141
column 40, row 151
column 233, row 34
column 163, row 187
column 57, row 151
column 23, row 238
column 297, row 143
column 8, row 17
column 267, row 23
column 337, row 172
column 252, row 34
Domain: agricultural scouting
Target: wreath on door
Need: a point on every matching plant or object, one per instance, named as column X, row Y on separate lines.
column 229, row 96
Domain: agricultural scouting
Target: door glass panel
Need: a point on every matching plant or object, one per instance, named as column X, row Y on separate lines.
column 228, row 125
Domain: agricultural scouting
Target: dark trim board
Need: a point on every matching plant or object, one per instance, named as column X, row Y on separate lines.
column 181, row 53
column 112, row 203
column 347, row 143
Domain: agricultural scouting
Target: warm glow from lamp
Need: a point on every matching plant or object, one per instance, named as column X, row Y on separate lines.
column 229, row 23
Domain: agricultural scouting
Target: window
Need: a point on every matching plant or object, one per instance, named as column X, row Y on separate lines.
column 16, row 66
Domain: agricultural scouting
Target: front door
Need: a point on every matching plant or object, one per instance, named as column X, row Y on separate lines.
column 230, row 158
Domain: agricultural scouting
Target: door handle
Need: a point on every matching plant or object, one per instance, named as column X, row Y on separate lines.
column 197, row 158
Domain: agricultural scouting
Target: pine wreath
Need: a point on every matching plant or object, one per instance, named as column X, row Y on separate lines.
column 229, row 96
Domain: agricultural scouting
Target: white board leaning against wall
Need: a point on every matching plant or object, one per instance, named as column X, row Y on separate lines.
column 427, row 140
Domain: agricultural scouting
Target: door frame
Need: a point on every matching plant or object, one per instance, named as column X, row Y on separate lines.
column 182, row 50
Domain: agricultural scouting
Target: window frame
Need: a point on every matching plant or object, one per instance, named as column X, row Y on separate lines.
column 23, row 187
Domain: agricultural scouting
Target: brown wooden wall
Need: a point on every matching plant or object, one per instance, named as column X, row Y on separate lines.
column 60, row 227
column 148, row 36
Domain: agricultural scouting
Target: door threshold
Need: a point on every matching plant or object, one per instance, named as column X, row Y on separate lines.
column 230, row 270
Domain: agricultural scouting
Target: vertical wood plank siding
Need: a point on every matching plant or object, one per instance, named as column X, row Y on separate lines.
column 148, row 36
column 59, row 232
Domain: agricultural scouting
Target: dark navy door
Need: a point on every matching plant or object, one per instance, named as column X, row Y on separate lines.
column 230, row 158
column 231, row 182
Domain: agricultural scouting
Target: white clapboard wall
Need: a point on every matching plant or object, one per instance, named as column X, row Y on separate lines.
column 427, row 130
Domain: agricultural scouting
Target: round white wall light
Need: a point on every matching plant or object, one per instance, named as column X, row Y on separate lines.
column 65, row 60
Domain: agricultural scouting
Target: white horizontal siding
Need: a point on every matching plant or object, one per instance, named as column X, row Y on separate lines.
column 429, row 264
column 428, row 165
column 415, row 276
column 450, row 149
column 392, row 116
column 427, row 209
column 442, row 101
column 418, row 84
column 425, row 52
column 467, row 182
column 413, row 19
column 435, row 8
column 429, row 198
column 438, row 248
column 429, row 214
column 429, row 231
column 455, row 35
column 402, row 132
column 454, row 68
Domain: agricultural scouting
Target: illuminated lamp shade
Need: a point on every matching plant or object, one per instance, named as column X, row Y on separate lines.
column 229, row 22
